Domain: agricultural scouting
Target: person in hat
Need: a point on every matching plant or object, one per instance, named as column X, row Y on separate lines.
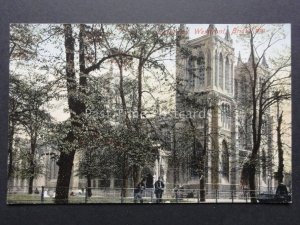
column 159, row 189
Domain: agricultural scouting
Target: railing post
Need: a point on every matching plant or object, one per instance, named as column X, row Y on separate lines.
column 232, row 195
column 216, row 195
column 42, row 194
column 246, row 197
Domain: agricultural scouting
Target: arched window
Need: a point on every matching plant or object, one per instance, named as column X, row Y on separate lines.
column 216, row 69
column 190, row 79
column 221, row 72
column 225, row 116
column 227, row 79
column 264, row 165
column 228, row 116
column 242, row 137
column 148, row 174
column 225, row 161
column 201, row 70
column 243, row 89
column 208, row 68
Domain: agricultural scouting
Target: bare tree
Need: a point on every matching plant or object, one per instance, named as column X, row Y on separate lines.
column 262, row 82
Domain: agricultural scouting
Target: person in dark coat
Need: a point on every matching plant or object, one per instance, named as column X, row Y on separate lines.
column 159, row 189
column 138, row 191
column 36, row 191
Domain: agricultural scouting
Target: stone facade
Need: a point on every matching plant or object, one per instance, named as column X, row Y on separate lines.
column 208, row 79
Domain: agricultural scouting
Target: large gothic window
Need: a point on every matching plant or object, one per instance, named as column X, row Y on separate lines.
column 241, row 137
column 225, row 116
column 201, row 70
column 227, row 78
column 264, row 165
column 196, row 72
column 221, row 72
column 236, row 89
column 216, row 69
column 243, row 89
column 190, row 79
column 225, row 161
column 209, row 69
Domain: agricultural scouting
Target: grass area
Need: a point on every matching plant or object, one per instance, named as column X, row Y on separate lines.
column 27, row 199
column 36, row 199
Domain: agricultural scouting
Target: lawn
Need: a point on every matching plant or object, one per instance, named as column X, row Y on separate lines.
column 36, row 199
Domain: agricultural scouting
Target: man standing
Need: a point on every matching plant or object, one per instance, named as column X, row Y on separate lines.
column 159, row 189
column 138, row 192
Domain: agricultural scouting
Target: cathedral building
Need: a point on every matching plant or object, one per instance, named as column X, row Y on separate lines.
column 211, row 84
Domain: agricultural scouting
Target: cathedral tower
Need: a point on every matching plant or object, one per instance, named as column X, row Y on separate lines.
column 204, row 71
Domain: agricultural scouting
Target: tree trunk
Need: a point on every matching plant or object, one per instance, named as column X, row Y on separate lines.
column 89, row 185
column 31, row 177
column 139, row 106
column 66, row 158
column 280, row 151
column 64, row 176
column 256, row 124
column 124, row 185
column 136, row 175
column 252, row 186
column 125, row 175
column 125, row 170
column 65, row 164
column 10, row 152
column 31, row 164
column 136, row 169
column 202, row 190
column 122, row 96
column 30, row 184
column 203, row 155
column 175, row 165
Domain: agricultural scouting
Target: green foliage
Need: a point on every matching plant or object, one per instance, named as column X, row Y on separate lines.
column 23, row 41
column 26, row 164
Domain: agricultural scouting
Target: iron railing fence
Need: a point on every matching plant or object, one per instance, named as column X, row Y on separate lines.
column 46, row 195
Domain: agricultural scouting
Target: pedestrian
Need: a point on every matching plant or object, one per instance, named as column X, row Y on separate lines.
column 138, row 191
column 159, row 189
column 36, row 191
column 176, row 192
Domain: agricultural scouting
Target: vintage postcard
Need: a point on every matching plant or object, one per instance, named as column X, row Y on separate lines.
column 149, row 113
